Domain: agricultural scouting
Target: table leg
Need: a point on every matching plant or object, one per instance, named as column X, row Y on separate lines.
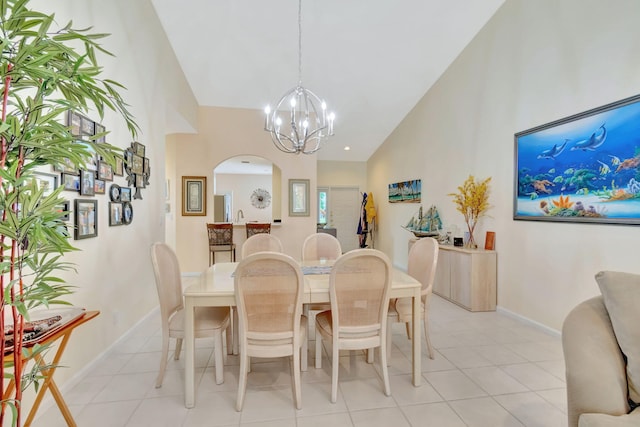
column 189, row 361
column 417, row 338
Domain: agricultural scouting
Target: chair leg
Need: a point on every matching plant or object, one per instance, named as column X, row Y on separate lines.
column 217, row 356
column 318, row 351
column 242, row 382
column 426, row 336
column 370, row 356
column 408, row 327
column 163, row 360
column 229, row 340
column 389, row 340
column 236, row 326
column 176, row 356
column 385, row 370
column 297, row 395
column 335, row 366
column 304, row 350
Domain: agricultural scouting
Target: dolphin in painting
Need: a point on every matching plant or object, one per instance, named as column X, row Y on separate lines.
column 554, row 151
column 592, row 142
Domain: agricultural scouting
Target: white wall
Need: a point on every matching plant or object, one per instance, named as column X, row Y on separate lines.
column 242, row 186
column 340, row 174
column 534, row 62
column 114, row 273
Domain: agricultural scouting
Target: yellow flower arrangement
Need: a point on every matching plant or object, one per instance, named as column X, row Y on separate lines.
column 472, row 201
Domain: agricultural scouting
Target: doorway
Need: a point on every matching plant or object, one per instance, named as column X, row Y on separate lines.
column 343, row 214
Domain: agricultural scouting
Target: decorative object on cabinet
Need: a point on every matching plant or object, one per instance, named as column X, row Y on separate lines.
column 194, row 190
column 86, row 218
column 490, row 241
column 115, row 214
column 308, row 125
column 114, row 192
column 428, row 225
column 260, row 198
column 582, row 168
column 472, row 201
column 467, row 277
column 406, row 192
column 298, row 197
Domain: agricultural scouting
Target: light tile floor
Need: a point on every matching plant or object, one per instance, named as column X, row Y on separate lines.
column 489, row 370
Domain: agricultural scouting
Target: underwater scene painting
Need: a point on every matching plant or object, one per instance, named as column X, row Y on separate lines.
column 584, row 168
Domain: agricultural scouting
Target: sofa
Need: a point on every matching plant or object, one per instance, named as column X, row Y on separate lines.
column 601, row 344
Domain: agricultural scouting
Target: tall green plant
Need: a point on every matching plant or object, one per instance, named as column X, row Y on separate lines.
column 45, row 72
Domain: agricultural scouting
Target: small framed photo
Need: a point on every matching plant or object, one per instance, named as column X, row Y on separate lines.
column 66, row 167
column 86, row 219
column 125, row 194
column 74, row 122
column 114, row 193
column 128, row 158
column 194, row 190
column 127, row 212
column 115, row 214
column 64, row 208
column 138, row 148
column 119, row 169
column 140, row 181
column 87, row 127
column 87, row 183
column 105, row 171
column 99, row 186
column 138, row 165
column 47, row 182
column 100, row 130
column 71, row 182
column 145, row 165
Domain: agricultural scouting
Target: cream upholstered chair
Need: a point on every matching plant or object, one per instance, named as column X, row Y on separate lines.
column 359, row 292
column 257, row 228
column 269, row 289
column 220, row 240
column 321, row 246
column 209, row 321
column 423, row 260
column 261, row 243
column 601, row 343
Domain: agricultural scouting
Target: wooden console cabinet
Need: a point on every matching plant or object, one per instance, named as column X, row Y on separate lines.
column 467, row 277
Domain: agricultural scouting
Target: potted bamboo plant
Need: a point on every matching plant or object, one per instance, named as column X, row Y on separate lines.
column 472, row 201
column 46, row 73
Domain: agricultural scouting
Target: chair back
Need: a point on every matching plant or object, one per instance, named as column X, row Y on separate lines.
column 269, row 288
column 220, row 234
column 423, row 260
column 321, row 246
column 257, row 228
column 168, row 283
column 261, row 243
column 359, row 293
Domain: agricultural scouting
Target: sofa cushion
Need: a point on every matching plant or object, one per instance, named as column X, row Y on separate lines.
column 603, row 420
column 621, row 294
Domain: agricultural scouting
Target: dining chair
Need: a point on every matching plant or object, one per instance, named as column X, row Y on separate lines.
column 359, row 285
column 257, row 228
column 209, row 321
column 269, row 289
column 261, row 243
column 423, row 260
column 220, row 240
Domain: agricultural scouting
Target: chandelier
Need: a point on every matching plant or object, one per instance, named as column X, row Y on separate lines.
column 299, row 123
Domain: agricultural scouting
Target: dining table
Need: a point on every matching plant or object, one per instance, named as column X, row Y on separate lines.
column 215, row 288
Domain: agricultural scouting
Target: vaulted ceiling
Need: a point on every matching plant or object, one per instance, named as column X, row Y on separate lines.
column 371, row 60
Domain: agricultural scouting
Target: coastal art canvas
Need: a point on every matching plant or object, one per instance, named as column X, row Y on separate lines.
column 584, row 168
column 405, row 192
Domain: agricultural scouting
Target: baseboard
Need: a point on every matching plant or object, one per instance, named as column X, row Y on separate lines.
column 523, row 319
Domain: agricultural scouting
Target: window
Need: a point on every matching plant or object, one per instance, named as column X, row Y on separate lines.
column 322, row 206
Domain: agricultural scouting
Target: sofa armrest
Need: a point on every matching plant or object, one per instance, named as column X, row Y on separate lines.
column 595, row 366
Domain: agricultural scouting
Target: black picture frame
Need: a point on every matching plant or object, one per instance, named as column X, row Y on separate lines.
column 70, row 182
column 114, row 193
column 85, row 218
column 115, row 214
column 582, row 168
column 99, row 186
column 125, row 194
column 127, row 213
column 105, row 171
column 87, row 183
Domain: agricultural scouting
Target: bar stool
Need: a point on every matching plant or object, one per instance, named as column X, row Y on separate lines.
column 220, row 240
column 257, row 228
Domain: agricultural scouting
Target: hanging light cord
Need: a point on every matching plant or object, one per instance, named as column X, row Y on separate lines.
column 299, row 42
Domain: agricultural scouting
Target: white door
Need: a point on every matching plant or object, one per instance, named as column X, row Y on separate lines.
column 344, row 215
